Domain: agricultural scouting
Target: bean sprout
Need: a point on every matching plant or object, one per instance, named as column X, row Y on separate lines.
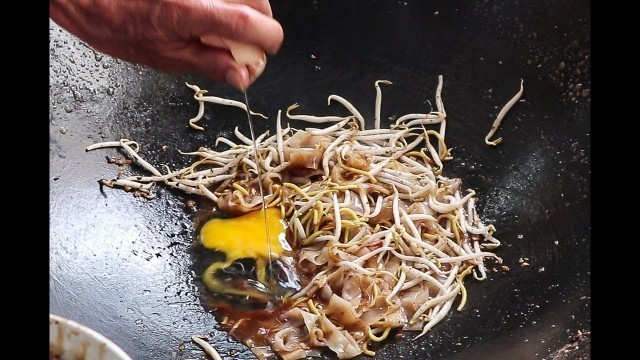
column 368, row 210
column 501, row 114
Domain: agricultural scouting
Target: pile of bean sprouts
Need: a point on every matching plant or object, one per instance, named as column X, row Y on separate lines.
column 383, row 239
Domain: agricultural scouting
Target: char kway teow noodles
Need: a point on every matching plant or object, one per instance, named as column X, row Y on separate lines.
column 365, row 235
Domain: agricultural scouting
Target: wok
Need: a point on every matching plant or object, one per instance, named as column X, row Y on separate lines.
column 124, row 266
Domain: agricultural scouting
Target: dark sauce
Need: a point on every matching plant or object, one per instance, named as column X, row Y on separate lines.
column 246, row 317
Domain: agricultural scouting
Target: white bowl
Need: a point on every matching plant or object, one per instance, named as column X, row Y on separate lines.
column 69, row 340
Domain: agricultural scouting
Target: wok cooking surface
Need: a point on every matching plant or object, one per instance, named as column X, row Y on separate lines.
column 123, row 265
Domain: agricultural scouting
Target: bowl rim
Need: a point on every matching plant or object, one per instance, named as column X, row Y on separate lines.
column 92, row 334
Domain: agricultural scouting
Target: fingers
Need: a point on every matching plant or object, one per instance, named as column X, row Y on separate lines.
column 235, row 21
column 262, row 6
column 219, row 65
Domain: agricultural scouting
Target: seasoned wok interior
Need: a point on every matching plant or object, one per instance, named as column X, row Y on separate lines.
column 380, row 238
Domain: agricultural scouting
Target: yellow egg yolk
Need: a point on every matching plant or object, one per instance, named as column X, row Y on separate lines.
column 245, row 236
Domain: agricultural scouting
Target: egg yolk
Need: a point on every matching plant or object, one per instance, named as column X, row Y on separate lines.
column 245, row 236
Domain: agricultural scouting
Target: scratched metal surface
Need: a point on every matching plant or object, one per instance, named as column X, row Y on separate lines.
column 123, row 265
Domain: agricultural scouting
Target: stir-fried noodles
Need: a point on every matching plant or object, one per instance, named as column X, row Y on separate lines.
column 382, row 240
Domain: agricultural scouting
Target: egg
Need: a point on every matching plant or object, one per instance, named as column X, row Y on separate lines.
column 245, row 237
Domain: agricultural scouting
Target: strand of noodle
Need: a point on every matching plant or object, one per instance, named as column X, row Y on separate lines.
column 378, row 104
column 501, row 114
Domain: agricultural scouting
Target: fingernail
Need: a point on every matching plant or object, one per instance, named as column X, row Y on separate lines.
column 256, row 68
column 233, row 78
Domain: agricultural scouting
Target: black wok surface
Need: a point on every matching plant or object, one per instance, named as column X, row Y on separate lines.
column 123, row 265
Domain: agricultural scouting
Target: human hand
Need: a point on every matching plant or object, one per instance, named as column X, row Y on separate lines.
column 175, row 36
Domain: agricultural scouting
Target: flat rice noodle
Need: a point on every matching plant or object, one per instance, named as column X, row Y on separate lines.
column 352, row 292
column 412, row 300
column 339, row 341
column 341, row 311
column 288, row 339
column 304, row 153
